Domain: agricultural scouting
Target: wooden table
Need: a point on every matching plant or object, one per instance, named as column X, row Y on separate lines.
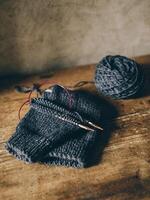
column 123, row 172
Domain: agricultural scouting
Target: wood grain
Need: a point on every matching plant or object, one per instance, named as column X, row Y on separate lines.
column 123, row 171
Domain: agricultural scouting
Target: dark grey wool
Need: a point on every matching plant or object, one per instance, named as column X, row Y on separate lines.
column 42, row 136
column 118, row 77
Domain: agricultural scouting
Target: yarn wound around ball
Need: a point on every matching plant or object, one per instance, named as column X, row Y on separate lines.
column 118, row 77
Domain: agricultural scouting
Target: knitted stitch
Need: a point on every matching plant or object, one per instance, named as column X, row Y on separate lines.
column 42, row 135
column 77, row 101
column 118, row 77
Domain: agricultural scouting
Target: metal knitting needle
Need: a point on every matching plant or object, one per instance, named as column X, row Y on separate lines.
column 89, row 122
column 77, row 124
column 94, row 125
column 70, row 119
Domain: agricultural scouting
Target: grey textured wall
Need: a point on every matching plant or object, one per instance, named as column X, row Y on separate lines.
column 36, row 35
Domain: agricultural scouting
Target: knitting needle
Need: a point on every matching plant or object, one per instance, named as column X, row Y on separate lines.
column 71, row 119
column 94, row 125
column 89, row 122
column 75, row 123
column 78, row 124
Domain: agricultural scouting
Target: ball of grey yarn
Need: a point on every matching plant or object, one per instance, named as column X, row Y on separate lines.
column 118, row 77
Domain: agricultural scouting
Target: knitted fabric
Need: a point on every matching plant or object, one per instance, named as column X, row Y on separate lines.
column 42, row 135
column 118, row 77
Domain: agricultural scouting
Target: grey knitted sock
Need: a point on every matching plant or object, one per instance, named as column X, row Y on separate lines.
column 42, row 135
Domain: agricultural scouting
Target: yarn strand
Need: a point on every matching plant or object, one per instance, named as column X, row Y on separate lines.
column 37, row 87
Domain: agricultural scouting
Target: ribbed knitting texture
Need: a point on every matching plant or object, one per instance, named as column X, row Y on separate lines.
column 41, row 136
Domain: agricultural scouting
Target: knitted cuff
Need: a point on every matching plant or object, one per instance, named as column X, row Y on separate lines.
column 80, row 151
column 25, row 144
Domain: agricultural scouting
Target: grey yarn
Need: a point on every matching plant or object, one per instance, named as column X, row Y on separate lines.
column 118, row 77
column 41, row 136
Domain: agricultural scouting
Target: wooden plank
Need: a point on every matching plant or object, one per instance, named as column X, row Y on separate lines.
column 124, row 168
column 123, row 173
